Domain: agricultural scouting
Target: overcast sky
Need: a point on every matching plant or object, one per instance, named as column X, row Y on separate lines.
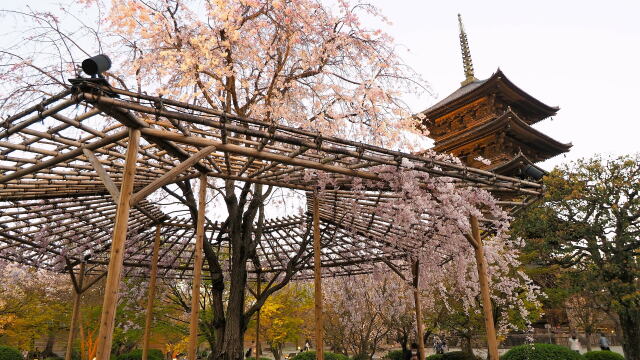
column 583, row 56
column 580, row 55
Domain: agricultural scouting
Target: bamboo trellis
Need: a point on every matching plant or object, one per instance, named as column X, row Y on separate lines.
column 62, row 164
column 64, row 161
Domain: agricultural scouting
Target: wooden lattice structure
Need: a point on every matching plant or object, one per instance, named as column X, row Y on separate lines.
column 65, row 161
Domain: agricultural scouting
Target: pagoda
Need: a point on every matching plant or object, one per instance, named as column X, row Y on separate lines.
column 492, row 120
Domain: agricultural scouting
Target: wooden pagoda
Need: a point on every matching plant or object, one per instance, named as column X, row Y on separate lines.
column 492, row 119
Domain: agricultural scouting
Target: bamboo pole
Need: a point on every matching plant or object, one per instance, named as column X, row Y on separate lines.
column 75, row 314
column 107, row 319
column 415, row 270
column 152, row 294
column 481, row 261
column 317, row 266
column 197, row 271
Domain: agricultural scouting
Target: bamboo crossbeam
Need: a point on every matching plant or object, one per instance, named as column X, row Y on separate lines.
column 41, row 115
column 50, row 100
column 66, row 156
column 300, row 142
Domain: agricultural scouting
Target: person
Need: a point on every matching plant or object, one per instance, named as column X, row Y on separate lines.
column 443, row 339
column 604, row 342
column 248, row 353
column 438, row 346
column 307, row 345
column 414, row 352
column 574, row 344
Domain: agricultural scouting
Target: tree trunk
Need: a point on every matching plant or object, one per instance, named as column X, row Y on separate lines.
column 630, row 323
column 588, row 336
column 465, row 345
column 276, row 350
column 48, row 349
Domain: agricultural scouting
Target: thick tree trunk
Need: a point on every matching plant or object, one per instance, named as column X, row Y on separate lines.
column 276, row 350
column 465, row 346
column 48, row 349
column 630, row 323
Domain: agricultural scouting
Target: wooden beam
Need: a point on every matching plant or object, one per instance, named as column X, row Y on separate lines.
column 171, row 175
column 107, row 319
column 112, row 188
column 197, row 271
column 415, row 270
column 481, row 262
column 317, row 267
column 152, row 294
column 75, row 312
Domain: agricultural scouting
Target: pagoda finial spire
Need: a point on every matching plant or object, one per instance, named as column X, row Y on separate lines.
column 466, row 55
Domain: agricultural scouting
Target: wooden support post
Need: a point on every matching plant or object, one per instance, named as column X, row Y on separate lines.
column 197, row 271
column 481, row 261
column 152, row 294
column 415, row 271
column 258, row 347
column 107, row 319
column 317, row 267
column 75, row 313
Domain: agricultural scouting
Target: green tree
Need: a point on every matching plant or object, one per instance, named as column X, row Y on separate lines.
column 589, row 224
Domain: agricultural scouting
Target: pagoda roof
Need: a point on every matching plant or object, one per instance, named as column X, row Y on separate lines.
column 515, row 166
column 515, row 127
column 497, row 83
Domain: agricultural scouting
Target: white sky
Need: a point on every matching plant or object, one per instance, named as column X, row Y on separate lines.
column 583, row 56
column 580, row 55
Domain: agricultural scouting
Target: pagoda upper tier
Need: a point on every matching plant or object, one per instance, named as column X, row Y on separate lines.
column 491, row 119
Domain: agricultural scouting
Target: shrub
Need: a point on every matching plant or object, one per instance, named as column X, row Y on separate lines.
column 435, row 357
column 262, row 358
column 541, row 352
column 154, row 354
column 311, row 355
column 360, row 357
column 9, row 353
column 53, row 358
column 603, row 355
column 394, row 355
column 458, row 355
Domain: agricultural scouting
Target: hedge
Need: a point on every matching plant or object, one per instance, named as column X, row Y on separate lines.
column 458, row 355
column 541, row 352
column 154, row 354
column 435, row 357
column 9, row 353
column 603, row 355
column 394, row 355
column 311, row 355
